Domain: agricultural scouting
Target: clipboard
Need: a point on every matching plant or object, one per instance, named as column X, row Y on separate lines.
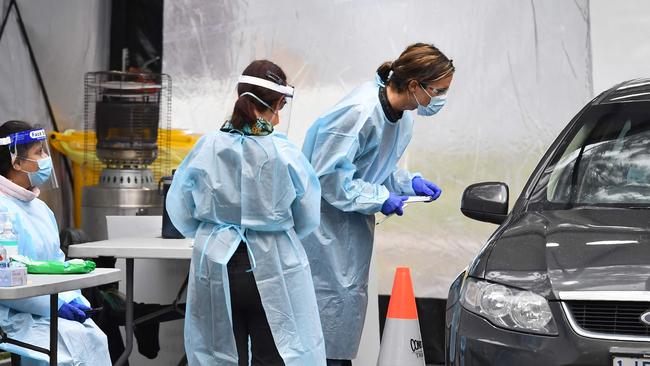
column 414, row 199
column 411, row 199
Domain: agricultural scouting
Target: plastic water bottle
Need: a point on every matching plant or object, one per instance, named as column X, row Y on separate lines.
column 4, row 261
column 9, row 239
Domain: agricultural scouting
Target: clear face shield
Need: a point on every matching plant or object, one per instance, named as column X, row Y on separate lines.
column 281, row 110
column 30, row 155
column 283, row 114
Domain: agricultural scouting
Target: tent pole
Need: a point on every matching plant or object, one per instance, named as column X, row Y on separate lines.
column 5, row 19
column 37, row 71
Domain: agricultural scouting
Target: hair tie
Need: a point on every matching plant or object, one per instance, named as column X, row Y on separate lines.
column 390, row 73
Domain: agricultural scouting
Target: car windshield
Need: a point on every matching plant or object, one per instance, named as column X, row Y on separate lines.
column 605, row 161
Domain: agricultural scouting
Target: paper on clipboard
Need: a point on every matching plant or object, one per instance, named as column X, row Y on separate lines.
column 411, row 199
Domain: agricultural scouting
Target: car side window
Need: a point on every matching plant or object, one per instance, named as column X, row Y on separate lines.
column 607, row 160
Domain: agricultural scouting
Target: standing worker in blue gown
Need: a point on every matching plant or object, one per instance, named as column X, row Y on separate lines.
column 354, row 149
column 247, row 195
column 25, row 169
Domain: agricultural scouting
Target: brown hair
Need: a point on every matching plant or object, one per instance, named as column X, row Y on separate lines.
column 244, row 111
column 420, row 61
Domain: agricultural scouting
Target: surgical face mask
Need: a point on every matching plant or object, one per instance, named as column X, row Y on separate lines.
column 42, row 174
column 435, row 104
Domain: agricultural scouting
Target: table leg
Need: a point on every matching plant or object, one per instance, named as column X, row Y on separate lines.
column 128, row 328
column 54, row 328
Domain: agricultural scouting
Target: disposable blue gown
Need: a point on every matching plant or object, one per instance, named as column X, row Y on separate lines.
column 28, row 320
column 354, row 150
column 260, row 190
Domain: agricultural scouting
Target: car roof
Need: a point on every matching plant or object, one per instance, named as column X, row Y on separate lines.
column 629, row 91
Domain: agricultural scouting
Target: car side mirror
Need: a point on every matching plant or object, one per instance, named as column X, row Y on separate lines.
column 486, row 202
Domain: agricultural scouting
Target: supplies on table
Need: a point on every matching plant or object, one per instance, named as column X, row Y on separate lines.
column 8, row 236
column 14, row 274
column 73, row 266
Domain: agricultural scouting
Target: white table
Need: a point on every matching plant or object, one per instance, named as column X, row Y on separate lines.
column 52, row 285
column 130, row 249
column 135, row 248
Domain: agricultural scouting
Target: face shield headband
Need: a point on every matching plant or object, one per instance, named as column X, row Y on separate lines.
column 44, row 176
column 285, row 90
column 22, row 138
column 283, row 113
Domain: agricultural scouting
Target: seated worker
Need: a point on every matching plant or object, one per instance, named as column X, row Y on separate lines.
column 26, row 165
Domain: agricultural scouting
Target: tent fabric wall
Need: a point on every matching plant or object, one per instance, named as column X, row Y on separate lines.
column 68, row 38
column 523, row 70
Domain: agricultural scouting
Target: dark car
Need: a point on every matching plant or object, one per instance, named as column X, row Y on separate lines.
column 565, row 279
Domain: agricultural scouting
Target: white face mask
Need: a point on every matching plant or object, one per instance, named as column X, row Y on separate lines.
column 435, row 104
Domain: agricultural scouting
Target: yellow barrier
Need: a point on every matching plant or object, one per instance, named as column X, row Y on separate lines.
column 86, row 169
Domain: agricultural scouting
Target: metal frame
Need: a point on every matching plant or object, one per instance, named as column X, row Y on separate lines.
column 130, row 322
column 54, row 334
column 640, row 296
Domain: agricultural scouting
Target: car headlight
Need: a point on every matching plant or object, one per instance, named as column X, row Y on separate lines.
column 508, row 307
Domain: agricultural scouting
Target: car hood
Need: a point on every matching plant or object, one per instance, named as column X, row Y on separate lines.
column 581, row 249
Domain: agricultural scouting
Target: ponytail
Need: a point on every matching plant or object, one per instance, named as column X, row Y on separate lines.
column 243, row 112
column 420, row 61
column 384, row 70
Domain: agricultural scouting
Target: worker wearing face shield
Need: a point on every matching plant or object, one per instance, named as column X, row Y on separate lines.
column 25, row 170
column 248, row 196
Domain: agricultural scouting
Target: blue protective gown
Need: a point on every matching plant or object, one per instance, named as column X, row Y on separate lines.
column 354, row 150
column 28, row 320
column 260, row 190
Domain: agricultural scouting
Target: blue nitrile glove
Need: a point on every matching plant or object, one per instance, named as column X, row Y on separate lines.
column 423, row 187
column 71, row 312
column 393, row 204
column 79, row 305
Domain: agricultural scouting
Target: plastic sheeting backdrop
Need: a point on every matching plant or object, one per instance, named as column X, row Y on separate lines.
column 523, row 70
column 68, row 38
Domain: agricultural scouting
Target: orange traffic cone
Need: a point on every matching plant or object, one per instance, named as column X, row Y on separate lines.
column 401, row 343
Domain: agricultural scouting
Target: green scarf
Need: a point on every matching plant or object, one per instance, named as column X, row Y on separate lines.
column 261, row 127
